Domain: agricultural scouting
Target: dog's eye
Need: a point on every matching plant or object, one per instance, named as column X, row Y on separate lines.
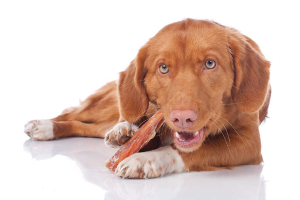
column 210, row 64
column 163, row 69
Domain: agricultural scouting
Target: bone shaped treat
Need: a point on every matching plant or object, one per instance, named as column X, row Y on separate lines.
column 138, row 141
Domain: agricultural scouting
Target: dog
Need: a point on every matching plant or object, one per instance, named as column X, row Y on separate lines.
column 212, row 84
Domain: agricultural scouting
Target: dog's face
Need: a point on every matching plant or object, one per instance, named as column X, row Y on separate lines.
column 189, row 75
column 189, row 70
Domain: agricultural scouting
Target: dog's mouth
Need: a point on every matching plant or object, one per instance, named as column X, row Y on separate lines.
column 188, row 139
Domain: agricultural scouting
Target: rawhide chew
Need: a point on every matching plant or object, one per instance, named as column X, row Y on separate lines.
column 137, row 142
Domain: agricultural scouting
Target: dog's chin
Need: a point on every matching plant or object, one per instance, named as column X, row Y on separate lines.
column 188, row 141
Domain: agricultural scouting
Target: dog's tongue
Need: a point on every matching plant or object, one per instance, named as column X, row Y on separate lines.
column 187, row 139
column 186, row 136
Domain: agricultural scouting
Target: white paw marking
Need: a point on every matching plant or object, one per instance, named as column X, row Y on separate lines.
column 151, row 164
column 114, row 136
column 40, row 129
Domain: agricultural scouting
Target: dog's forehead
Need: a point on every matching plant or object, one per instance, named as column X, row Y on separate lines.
column 192, row 41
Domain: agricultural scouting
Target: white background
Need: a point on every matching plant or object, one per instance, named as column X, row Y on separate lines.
column 53, row 53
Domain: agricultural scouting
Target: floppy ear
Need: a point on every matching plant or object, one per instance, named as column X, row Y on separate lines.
column 133, row 100
column 251, row 73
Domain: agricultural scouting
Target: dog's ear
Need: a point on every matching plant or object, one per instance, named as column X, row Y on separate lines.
column 133, row 100
column 251, row 73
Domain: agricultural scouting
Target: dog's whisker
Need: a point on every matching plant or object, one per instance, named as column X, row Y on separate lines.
column 232, row 127
column 224, row 139
column 211, row 142
column 219, row 129
column 225, row 129
column 163, row 129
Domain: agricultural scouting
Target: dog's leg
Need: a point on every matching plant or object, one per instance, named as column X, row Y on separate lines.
column 40, row 129
column 92, row 118
column 119, row 134
column 48, row 130
column 151, row 164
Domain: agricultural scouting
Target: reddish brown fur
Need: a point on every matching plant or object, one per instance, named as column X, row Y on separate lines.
column 231, row 100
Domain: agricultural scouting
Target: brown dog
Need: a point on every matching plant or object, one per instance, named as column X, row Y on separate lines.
column 212, row 84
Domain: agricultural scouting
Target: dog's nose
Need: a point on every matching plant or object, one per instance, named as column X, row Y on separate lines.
column 183, row 118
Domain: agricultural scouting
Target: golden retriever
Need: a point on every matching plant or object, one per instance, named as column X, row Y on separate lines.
column 212, row 84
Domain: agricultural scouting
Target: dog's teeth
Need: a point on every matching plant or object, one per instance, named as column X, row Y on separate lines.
column 196, row 133
column 177, row 135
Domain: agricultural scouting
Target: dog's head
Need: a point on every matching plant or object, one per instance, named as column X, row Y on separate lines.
column 193, row 70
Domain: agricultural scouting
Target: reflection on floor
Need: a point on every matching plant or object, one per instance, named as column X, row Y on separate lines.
column 90, row 153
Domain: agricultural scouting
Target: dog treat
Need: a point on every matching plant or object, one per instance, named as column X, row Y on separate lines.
column 137, row 142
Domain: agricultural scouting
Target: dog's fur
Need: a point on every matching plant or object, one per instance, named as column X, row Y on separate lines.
column 231, row 101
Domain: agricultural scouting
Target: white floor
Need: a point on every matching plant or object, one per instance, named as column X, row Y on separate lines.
column 73, row 168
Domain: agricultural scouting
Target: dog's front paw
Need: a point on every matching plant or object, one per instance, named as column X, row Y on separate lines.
column 151, row 164
column 120, row 134
column 39, row 129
